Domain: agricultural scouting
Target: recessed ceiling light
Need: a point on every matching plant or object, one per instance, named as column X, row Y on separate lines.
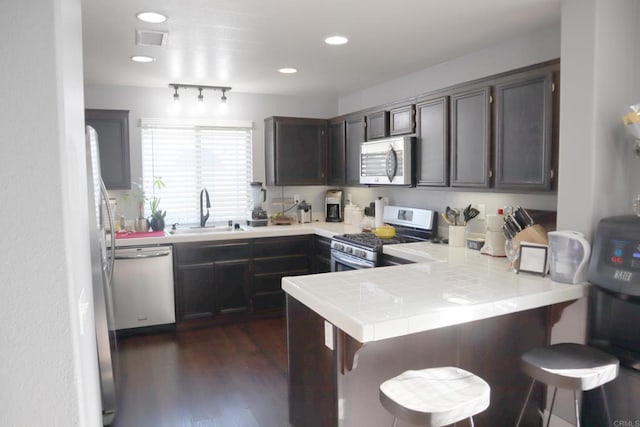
column 151, row 17
column 142, row 58
column 336, row 40
column 288, row 70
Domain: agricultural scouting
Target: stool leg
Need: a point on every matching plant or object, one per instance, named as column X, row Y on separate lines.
column 553, row 401
column 606, row 405
column 471, row 421
column 577, row 405
column 395, row 421
column 525, row 402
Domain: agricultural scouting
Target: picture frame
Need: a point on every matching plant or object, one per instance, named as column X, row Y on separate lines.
column 533, row 258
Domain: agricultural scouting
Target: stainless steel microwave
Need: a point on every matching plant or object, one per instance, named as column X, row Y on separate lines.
column 387, row 161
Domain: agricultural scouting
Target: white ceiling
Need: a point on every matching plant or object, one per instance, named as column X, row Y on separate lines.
column 242, row 43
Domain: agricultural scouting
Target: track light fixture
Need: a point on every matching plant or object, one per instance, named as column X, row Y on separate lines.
column 223, row 89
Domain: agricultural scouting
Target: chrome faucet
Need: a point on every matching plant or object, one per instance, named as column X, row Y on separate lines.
column 203, row 217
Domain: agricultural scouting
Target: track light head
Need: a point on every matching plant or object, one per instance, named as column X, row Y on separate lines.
column 200, row 97
column 223, row 98
column 176, row 97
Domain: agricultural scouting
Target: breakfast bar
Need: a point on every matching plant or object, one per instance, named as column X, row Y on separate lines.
column 350, row 331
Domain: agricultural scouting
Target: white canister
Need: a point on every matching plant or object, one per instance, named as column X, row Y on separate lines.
column 348, row 214
column 457, row 235
column 357, row 215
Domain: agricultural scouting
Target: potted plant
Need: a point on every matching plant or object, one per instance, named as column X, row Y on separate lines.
column 156, row 220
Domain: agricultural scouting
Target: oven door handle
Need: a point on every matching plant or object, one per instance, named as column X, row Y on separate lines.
column 350, row 260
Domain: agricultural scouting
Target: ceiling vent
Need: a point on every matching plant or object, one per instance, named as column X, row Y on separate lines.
column 151, row 38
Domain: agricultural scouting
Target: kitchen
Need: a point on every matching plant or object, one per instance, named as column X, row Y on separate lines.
column 597, row 81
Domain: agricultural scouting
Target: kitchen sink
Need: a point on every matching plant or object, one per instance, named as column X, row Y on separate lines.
column 202, row 230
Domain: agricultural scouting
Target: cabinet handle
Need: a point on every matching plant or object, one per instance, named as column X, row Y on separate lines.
column 490, row 173
column 490, row 99
column 553, row 87
column 551, row 174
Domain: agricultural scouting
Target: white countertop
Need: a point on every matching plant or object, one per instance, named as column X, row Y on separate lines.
column 447, row 286
column 326, row 229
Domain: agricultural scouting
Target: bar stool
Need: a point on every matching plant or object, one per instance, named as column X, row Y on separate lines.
column 570, row 366
column 435, row 397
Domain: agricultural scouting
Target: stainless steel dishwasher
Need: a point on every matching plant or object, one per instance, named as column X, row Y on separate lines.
column 143, row 287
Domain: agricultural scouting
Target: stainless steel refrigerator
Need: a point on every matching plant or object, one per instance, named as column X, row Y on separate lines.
column 102, row 262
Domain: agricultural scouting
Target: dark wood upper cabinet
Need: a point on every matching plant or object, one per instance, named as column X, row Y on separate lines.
column 471, row 138
column 377, row 125
column 337, row 168
column 432, row 149
column 402, row 120
column 112, row 127
column 355, row 135
column 523, row 132
column 296, row 151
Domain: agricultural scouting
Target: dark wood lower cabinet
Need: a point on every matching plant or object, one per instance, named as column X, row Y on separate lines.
column 320, row 377
column 227, row 280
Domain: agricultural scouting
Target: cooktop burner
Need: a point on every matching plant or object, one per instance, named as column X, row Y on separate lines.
column 368, row 240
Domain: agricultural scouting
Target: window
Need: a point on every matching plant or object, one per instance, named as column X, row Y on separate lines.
column 190, row 156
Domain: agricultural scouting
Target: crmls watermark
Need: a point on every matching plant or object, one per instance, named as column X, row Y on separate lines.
column 626, row 423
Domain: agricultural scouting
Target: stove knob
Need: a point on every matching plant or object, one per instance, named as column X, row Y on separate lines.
column 349, row 250
column 360, row 253
column 338, row 246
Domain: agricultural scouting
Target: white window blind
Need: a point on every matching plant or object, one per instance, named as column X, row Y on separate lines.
column 191, row 156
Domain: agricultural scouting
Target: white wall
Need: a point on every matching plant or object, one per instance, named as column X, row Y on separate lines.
column 49, row 369
column 157, row 103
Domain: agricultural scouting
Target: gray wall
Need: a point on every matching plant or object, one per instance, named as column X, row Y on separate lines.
column 528, row 49
column 525, row 50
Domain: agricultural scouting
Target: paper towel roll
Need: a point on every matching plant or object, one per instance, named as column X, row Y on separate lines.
column 494, row 222
column 379, row 221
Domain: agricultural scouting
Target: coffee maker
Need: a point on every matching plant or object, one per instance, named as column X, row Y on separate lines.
column 258, row 216
column 333, row 206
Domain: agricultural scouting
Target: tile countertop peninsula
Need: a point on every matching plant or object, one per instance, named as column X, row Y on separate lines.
column 325, row 229
column 446, row 286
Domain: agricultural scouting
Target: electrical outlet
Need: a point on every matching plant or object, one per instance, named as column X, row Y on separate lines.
column 482, row 208
column 296, row 198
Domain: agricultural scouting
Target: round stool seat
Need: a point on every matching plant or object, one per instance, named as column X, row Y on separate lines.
column 570, row 366
column 436, row 396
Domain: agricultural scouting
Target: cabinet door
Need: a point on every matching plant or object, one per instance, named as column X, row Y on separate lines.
column 377, row 125
column 336, row 167
column 470, row 138
column 232, row 285
column 196, row 292
column 299, row 151
column 402, row 120
column 355, row 135
column 321, row 254
column 112, row 127
column 523, row 133
column 432, row 150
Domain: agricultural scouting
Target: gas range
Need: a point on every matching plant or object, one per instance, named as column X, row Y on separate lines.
column 364, row 250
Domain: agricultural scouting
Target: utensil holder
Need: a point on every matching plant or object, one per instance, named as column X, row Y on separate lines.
column 457, row 235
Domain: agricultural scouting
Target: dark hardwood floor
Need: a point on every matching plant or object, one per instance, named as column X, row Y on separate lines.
column 221, row 376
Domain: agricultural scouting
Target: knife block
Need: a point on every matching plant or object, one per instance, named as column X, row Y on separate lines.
column 534, row 234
